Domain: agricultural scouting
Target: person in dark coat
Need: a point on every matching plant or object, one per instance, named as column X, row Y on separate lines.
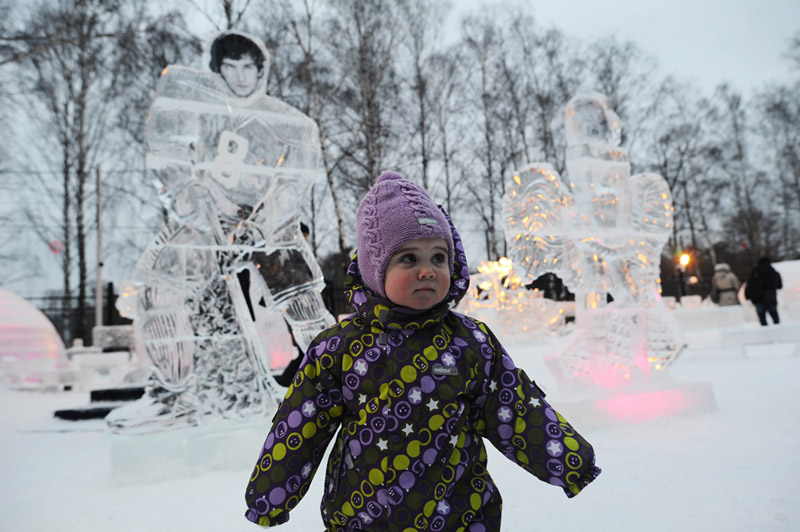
column 762, row 288
column 409, row 389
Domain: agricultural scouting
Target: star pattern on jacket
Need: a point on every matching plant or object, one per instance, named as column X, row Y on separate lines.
column 435, row 477
column 555, row 448
column 415, row 396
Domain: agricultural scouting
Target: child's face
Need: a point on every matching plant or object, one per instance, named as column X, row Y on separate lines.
column 418, row 274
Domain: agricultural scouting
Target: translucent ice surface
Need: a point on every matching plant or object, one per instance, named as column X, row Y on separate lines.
column 601, row 231
column 498, row 297
column 232, row 173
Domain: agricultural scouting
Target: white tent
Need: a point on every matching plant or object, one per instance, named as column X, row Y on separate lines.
column 28, row 340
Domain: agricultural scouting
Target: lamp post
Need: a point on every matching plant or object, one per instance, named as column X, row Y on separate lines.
column 683, row 262
column 98, row 284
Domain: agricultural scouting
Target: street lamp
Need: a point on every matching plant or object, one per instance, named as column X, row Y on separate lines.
column 683, row 262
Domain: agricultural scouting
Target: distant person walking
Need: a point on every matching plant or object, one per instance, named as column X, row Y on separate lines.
column 724, row 286
column 762, row 288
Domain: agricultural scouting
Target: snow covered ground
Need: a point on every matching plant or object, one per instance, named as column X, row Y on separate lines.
column 736, row 468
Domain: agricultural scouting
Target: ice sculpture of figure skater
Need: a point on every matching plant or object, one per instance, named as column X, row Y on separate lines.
column 232, row 166
column 601, row 231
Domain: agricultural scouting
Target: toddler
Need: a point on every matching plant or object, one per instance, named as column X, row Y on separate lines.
column 415, row 388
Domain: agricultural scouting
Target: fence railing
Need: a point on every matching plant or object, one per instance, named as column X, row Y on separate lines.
column 64, row 312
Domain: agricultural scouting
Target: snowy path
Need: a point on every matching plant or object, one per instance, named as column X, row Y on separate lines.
column 733, row 469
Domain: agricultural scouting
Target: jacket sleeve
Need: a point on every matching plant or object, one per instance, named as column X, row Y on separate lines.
column 521, row 424
column 752, row 285
column 305, row 423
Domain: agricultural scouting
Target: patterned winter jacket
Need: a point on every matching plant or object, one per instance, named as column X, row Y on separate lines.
column 415, row 393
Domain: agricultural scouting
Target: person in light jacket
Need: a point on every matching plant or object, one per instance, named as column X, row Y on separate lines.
column 724, row 286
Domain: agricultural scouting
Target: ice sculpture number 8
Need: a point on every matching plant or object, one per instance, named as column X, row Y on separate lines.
column 232, row 166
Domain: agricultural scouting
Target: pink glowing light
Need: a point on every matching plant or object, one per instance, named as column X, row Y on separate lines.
column 280, row 357
column 26, row 333
column 635, row 408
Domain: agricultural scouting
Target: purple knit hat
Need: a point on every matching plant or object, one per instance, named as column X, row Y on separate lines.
column 393, row 212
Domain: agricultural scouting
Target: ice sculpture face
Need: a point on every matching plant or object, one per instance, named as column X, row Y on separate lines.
column 589, row 118
column 601, row 230
column 232, row 166
column 241, row 75
column 241, row 60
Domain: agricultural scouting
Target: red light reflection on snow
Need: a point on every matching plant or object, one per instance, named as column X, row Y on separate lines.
column 645, row 406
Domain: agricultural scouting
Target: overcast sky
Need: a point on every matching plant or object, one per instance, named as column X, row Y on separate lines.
column 705, row 41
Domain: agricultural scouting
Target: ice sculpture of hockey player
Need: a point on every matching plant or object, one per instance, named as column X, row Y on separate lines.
column 601, row 231
column 232, row 166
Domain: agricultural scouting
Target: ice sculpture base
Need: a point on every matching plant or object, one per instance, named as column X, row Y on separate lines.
column 703, row 318
column 746, row 341
column 187, row 452
column 637, row 403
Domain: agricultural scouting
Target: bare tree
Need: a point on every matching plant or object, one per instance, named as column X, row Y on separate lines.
column 8, row 45
column 793, row 52
column 674, row 151
column 230, row 12
column 423, row 22
column 444, row 104
column 779, row 112
column 733, row 160
column 555, row 71
column 541, row 72
column 684, row 150
column 481, row 42
column 627, row 75
column 511, row 109
column 72, row 87
column 364, row 39
column 304, row 31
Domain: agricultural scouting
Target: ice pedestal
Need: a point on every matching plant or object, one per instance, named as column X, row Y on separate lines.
column 775, row 350
column 642, row 401
column 606, row 387
column 743, row 340
column 186, row 452
column 709, row 317
column 773, row 341
column 617, row 345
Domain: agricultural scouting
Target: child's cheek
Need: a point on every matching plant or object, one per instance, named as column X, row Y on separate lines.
column 446, row 282
column 399, row 286
column 405, row 283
